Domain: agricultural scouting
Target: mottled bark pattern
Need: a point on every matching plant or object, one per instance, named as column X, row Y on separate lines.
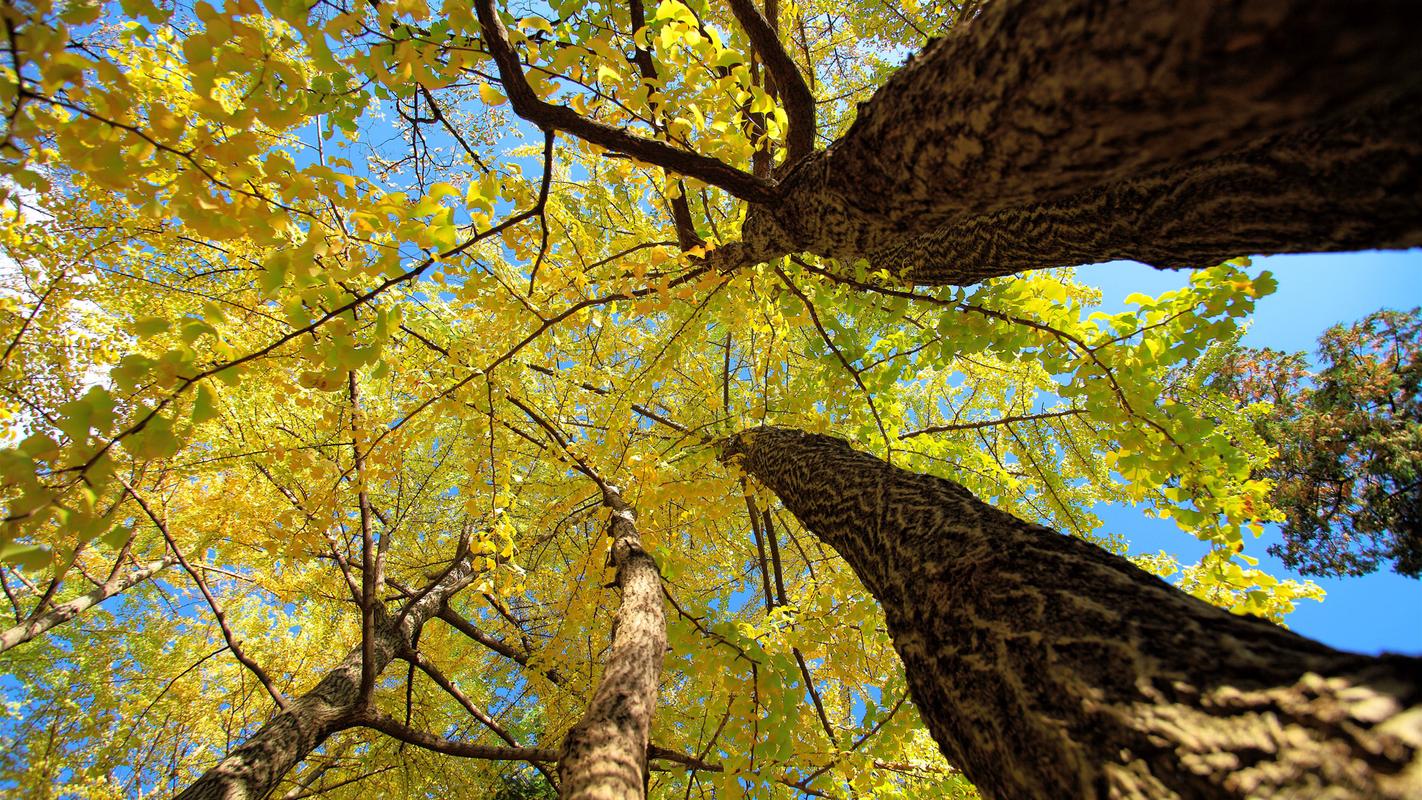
column 604, row 756
column 253, row 769
column 1352, row 185
column 1036, row 101
column 1046, row 667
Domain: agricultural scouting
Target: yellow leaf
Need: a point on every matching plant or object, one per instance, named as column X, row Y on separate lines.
column 606, row 74
column 441, row 190
column 536, row 24
column 490, row 95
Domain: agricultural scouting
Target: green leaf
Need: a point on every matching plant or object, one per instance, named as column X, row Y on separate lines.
column 39, row 446
column 28, row 556
column 155, row 440
column 132, row 370
column 1265, row 284
column 117, row 536
column 194, row 329
column 74, row 419
column 150, row 326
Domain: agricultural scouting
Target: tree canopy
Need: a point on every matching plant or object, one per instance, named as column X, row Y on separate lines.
column 1349, row 437
column 332, row 330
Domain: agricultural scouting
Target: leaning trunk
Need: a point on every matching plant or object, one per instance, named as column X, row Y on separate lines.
column 1047, row 667
column 1030, row 113
column 1349, row 185
column 252, row 770
column 604, row 756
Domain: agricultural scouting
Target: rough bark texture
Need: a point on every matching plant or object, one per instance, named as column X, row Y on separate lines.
column 1348, row 186
column 253, row 769
column 66, row 611
column 1047, row 667
column 604, row 756
column 1037, row 102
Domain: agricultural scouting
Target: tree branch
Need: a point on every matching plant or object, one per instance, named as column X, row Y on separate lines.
column 454, row 620
column 988, row 423
column 29, row 629
column 759, row 548
column 686, row 235
column 529, row 106
column 799, row 102
column 474, row 711
column 369, row 585
column 217, row 611
column 1038, row 100
column 1344, row 185
column 378, row 721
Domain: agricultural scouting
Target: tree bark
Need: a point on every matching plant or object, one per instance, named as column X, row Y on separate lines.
column 1352, row 185
column 252, row 770
column 1058, row 132
column 604, row 756
column 1047, row 667
column 1057, row 112
column 66, row 611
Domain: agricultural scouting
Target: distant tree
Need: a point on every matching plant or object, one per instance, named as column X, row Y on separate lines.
column 1348, row 476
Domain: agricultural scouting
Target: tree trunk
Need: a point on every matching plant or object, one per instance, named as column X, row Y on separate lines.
column 252, row 770
column 1348, row 186
column 66, row 611
column 1047, row 667
column 1069, row 111
column 604, row 756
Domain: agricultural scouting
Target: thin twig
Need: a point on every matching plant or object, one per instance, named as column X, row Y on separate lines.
column 988, row 423
column 378, row 721
column 853, row 373
column 232, row 643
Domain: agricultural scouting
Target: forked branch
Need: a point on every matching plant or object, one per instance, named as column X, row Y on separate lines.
column 794, row 92
column 528, row 105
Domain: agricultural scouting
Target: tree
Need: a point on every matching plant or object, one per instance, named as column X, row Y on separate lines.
column 295, row 304
column 1347, row 475
column 1078, row 670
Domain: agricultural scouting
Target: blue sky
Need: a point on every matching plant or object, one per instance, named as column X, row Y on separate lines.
column 1374, row 613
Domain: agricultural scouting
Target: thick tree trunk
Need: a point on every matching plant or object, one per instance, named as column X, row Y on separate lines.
column 66, row 611
column 1047, row 667
column 604, row 756
column 253, row 769
column 1348, row 186
column 1059, row 113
